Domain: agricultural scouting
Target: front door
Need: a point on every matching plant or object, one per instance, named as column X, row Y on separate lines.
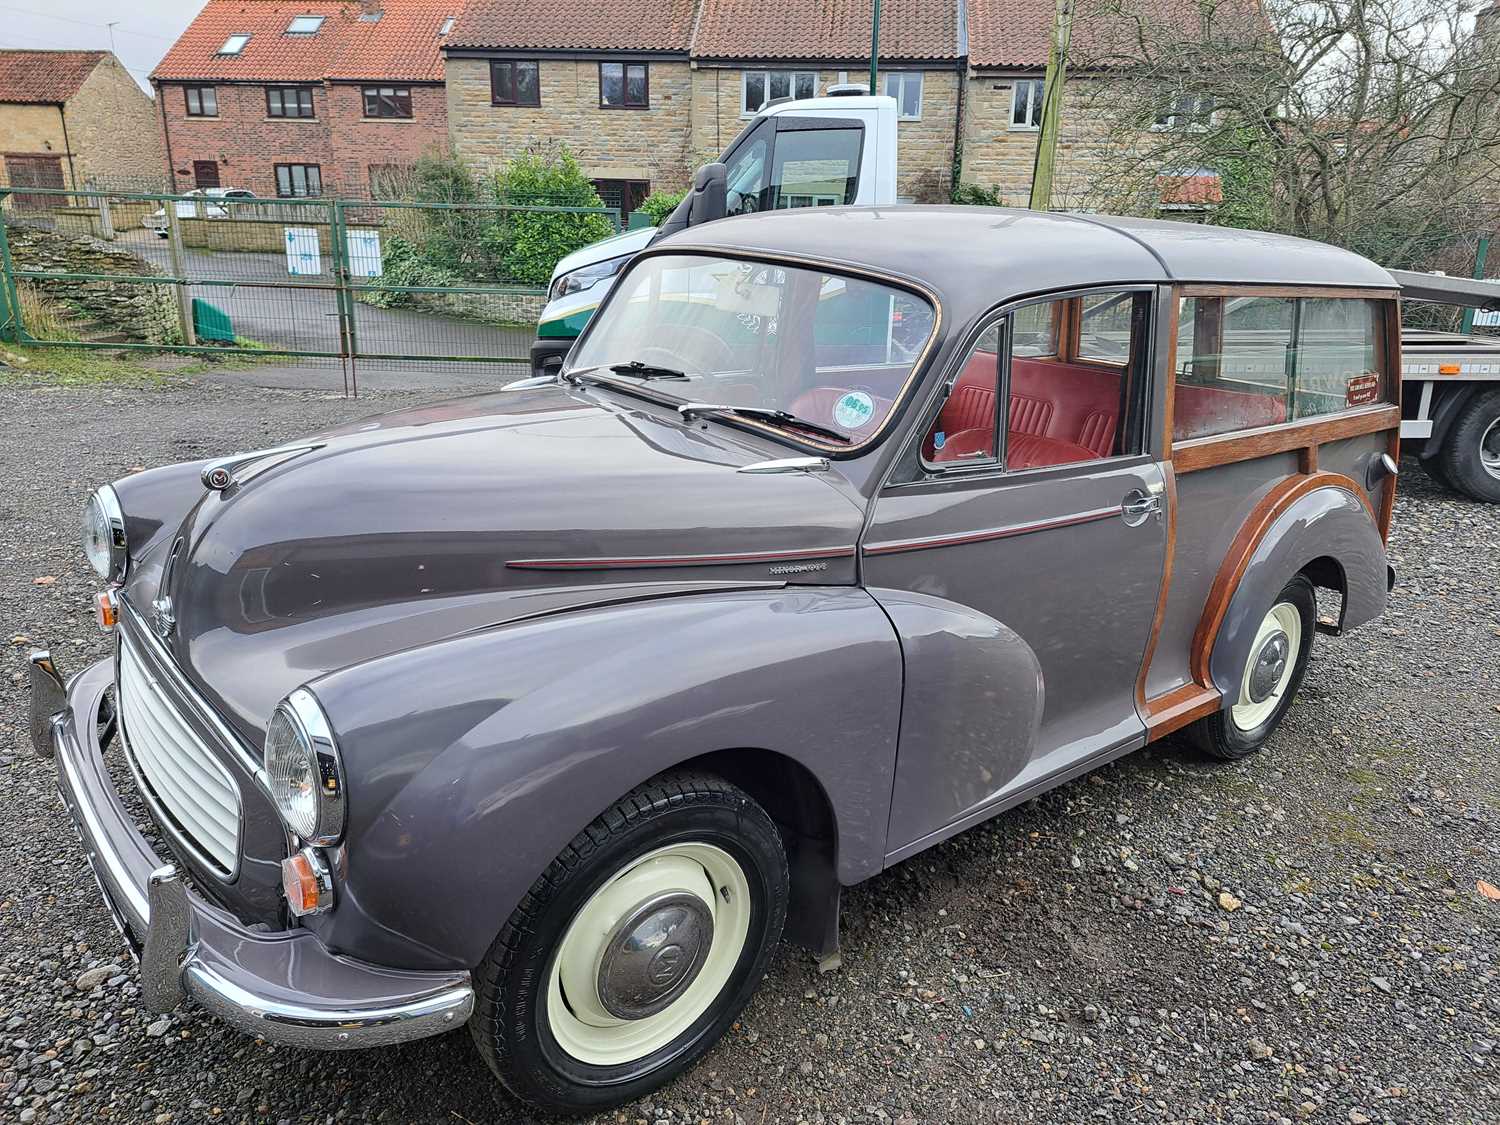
column 1020, row 552
column 205, row 173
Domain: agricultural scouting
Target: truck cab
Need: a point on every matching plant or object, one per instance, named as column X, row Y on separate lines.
column 813, row 152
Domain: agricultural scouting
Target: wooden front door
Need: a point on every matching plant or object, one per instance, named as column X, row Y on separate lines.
column 34, row 171
column 205, row 173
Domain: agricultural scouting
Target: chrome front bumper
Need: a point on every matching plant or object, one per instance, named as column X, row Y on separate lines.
column 284, row 986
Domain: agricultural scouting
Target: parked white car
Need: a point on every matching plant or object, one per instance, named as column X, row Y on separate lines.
column 195, row 205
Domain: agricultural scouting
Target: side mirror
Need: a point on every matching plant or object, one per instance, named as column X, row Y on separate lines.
column 706, row 201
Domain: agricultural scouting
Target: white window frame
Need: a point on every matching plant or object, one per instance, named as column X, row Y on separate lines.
column 234, row 45
column 1195, row 122
column 793, row 75
column 1035, row 94
column 311, row 25
column 902, row 78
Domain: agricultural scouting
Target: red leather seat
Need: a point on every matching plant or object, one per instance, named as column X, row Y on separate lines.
column 1030, row 451
column 1200, row 411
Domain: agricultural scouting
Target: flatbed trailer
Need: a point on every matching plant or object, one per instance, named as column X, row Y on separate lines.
column 1450, row 388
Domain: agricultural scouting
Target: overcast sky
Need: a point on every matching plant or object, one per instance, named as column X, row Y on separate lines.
column 144, row 29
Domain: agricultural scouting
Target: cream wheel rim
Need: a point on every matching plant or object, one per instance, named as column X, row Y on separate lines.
column 1273, row 659
column 648, row 953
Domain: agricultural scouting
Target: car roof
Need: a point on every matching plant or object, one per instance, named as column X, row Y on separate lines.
column 999, row 253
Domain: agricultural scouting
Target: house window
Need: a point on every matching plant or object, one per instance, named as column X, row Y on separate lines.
column 1187, row 111
column 1026, row 104
column 234, row 45
column 289, row 101
column 623, row 86
column 906, row 87
column 304, row 25
column 447, row 26
column 296, row 181
column 387, row 101
column 624, row 195
column 202, row 101
column 514, row 82
column 757, row 87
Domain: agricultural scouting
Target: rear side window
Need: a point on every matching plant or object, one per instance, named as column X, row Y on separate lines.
column 1244, row 362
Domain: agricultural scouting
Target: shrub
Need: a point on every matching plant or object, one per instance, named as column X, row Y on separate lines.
column 977, row 195
column 531, row 242
column 660, row 204
column 403, row 263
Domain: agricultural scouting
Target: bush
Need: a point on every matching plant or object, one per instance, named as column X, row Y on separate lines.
column 404, row 264
column 977, row 195
column 532, row 241
column 660, row 204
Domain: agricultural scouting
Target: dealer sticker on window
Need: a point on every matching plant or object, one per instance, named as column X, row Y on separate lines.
column 1361, row 390
column 853, row 410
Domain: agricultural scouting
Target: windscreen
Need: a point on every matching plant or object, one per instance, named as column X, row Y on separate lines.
column 828, row 349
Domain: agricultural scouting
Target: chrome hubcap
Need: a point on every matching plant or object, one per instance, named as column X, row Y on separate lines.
column 1270, row 663
column 654, row 954
column 1489, row 449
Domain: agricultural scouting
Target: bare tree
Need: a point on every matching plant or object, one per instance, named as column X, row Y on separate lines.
column 1372, row 124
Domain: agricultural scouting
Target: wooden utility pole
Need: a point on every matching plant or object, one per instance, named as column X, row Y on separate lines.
column 1052, row 97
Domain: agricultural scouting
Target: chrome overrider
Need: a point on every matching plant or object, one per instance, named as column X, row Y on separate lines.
column 285, row 986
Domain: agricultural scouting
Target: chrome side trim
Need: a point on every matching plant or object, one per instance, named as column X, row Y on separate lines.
column 788, row 465
column 225, row 471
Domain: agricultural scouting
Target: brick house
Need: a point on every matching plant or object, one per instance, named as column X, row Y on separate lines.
column 304, row 99
column 74, row 119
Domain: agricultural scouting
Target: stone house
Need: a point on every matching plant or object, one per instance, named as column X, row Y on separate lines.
column 304, row 99
column 74, row 119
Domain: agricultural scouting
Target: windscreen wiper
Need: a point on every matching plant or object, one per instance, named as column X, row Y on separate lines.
column 640, row 370
column 691, row 410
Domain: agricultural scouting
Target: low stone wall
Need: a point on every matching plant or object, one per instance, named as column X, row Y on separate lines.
column 503, row 309
column 133, row 312
column 259, row 236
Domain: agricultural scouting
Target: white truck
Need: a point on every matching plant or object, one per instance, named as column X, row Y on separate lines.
column 815, row 152
column 1450, row 387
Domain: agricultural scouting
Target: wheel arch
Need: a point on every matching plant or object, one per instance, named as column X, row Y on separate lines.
column 1319, row 525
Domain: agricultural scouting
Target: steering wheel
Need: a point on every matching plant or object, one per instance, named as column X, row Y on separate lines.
column 696, row 342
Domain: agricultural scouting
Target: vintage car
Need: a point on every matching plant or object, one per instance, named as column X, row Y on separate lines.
column 552, row 710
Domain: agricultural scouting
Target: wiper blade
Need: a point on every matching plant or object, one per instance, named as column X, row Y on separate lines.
column 690, row 410
column 647, row 370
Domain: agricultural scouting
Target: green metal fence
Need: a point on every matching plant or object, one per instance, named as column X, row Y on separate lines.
column 303, row 279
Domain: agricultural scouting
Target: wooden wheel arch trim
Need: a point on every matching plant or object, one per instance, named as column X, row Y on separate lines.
column 1198, row 697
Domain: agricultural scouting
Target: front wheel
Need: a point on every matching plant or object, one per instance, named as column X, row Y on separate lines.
column 1470, row 456
column 1270, row 679
column 636, row 948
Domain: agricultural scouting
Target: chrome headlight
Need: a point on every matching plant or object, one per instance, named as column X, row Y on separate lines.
column 303, row 769
column 104, row 535
column 586, row 277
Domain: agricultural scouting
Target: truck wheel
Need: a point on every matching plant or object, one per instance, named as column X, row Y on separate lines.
column 1471, row 453
column 636, row 948
column 1269, row 682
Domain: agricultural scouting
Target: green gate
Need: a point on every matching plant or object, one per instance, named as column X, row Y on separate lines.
column 345, row 280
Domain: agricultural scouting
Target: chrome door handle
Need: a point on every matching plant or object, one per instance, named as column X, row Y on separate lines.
column 1139, row 506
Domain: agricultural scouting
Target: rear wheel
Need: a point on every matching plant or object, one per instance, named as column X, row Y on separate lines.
column 1470, row 456
column 1270, row 679
column 636, row 948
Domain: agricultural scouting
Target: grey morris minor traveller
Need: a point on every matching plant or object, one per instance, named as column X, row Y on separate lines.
column 551, row 711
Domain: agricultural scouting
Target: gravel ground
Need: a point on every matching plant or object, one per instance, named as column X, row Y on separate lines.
column 1297, row 937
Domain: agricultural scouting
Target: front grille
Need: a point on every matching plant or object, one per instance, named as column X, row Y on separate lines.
column 184, row 783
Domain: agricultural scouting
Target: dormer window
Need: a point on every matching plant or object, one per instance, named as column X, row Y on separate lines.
column 304, row 25
column 234, row 44
column 447, row 26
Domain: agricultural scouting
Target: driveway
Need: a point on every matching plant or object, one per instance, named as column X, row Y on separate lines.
column 1299, row 937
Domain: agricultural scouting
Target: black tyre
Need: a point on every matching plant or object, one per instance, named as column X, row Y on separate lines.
column 1433, row 467
column 1470, row 455
column 636, row 948
column 1269, row 682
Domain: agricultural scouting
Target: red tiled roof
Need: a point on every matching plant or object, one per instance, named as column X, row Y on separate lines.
column 45, row 77
column 402, row 44
column 1190, row 189
column 832, row 29
column 592, row 25
column 1018, row 33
